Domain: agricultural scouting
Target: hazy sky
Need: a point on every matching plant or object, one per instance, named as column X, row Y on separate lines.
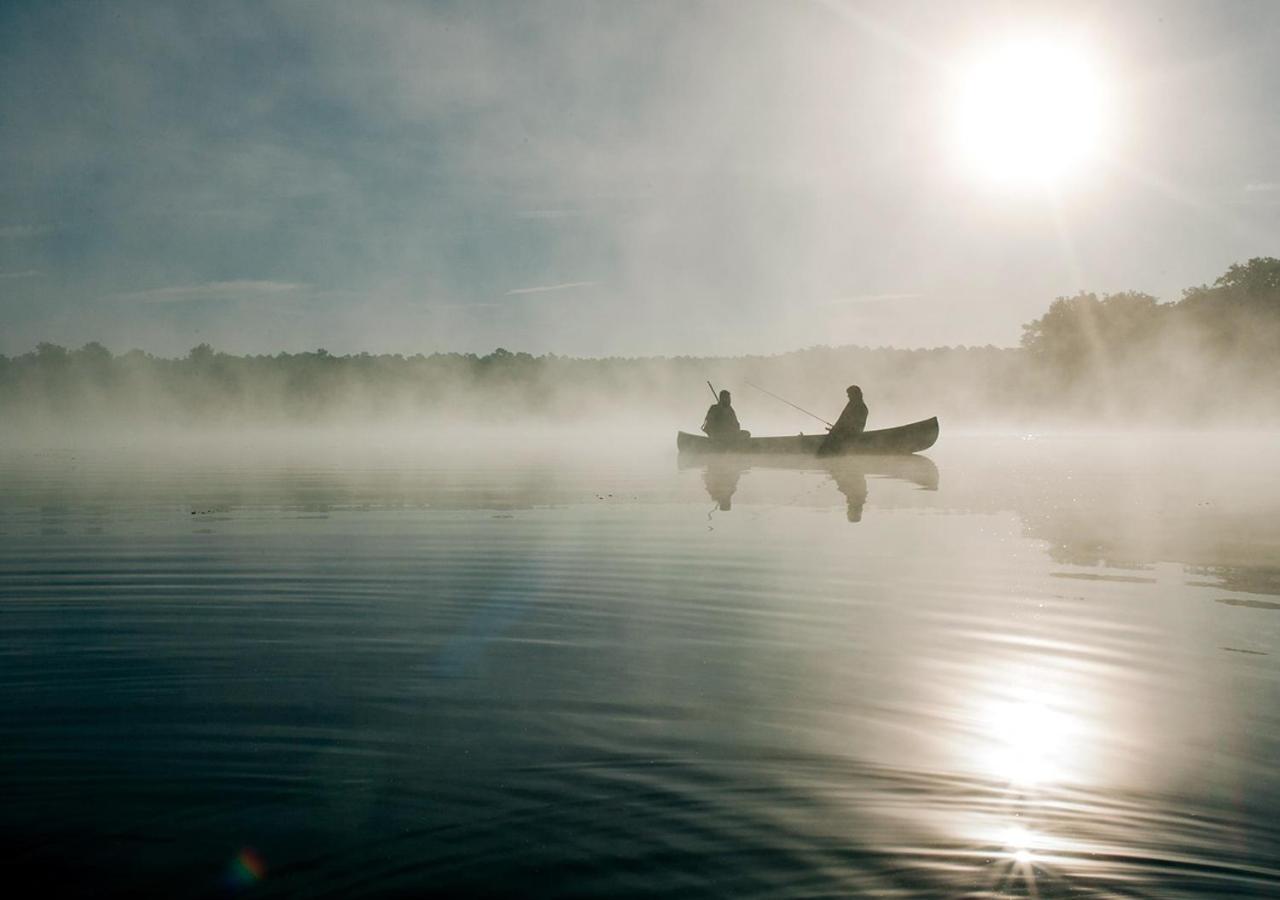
column 600, row 178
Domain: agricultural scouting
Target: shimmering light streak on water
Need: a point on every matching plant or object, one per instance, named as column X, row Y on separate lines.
column 1041, row 668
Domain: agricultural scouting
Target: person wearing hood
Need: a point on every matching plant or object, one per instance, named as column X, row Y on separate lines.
column 852, row 422
column 721, row 423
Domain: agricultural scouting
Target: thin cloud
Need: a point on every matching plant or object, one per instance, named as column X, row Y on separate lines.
column 544, row 214
column 24, row 231
column 212, row 290
column 28, row 273
column 568, row 285
column 872, row 298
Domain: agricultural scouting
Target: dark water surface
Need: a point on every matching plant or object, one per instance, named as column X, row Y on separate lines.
column 1041, row 667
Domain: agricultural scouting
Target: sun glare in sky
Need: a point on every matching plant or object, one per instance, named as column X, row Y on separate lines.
column 1030, row 111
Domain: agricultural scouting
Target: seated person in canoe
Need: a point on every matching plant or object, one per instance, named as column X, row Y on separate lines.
column 721, row 423
column 852, row 422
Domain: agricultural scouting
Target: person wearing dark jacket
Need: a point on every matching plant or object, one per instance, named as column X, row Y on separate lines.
column 721, row 423
column 852, row 422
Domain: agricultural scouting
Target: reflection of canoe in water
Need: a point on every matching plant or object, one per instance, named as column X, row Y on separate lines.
column 917, row 470
column 903, row 439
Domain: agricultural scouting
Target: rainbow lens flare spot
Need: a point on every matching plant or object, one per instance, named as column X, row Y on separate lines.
column 246, row 870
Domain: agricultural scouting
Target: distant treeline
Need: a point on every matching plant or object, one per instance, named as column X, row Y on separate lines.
column 1213, row 354
column 1210, row 357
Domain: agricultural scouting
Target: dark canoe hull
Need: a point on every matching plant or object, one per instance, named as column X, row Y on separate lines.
column 886, row 441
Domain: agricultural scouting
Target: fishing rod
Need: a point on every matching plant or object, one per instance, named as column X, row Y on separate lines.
column 792, row 405
column 713, row 390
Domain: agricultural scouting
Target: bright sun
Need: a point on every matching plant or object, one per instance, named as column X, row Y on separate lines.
column 1029, row 112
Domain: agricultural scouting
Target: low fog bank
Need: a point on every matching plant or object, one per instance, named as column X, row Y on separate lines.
column 90, row 387
column 1207, row 360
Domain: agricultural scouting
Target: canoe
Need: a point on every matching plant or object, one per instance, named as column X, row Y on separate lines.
column 904, row 439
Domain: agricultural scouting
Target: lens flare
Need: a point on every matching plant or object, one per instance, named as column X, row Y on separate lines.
column 246, row 869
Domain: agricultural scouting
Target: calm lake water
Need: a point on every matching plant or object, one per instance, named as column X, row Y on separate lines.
column 1022, row 666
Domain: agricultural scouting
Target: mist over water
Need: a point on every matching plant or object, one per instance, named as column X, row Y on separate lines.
column 1029, row 666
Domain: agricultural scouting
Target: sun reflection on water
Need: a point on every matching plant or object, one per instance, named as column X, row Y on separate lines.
column 1017, row 863
column 1032, row 734
column 1031, row 726
column 1018, row 841
column 1028, row 742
